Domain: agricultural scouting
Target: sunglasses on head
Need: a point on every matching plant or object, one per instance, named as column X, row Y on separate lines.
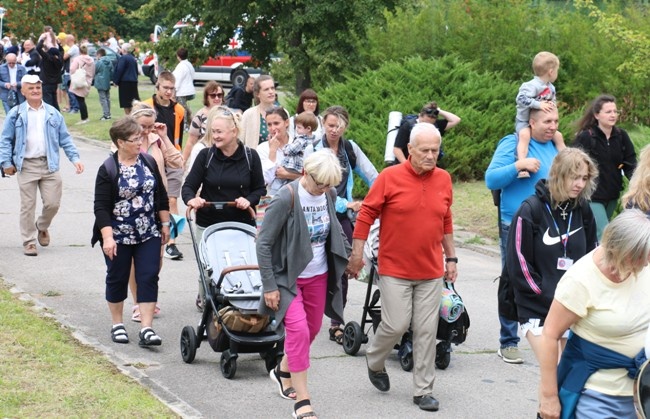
column 215, row 95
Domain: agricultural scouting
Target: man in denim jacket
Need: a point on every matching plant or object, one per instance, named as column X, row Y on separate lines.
column 31, row 137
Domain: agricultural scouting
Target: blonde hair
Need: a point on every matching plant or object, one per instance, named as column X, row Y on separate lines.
column 638, row 192
column 324, row 167
column 626, row 243
column 220, row 112
column 139, row 109
column 566, row 165
column 544, row 62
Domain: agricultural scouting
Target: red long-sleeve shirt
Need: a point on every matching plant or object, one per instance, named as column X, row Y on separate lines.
column 415, row 213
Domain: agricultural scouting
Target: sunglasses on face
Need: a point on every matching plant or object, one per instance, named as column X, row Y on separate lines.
column 431, row 111
column 216, row 95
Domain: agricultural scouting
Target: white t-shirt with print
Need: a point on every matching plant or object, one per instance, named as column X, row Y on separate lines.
column 318, row 223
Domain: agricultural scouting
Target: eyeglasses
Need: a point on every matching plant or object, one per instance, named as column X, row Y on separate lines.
column 138, row 139
column 167, row 88
column 310, row 101
column 147, row 127
column 318, row 184
column 215, row 95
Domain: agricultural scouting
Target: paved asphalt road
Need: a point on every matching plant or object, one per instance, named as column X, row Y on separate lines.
column 68, row 278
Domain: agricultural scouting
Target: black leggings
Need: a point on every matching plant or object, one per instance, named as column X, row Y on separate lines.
column 83, row 109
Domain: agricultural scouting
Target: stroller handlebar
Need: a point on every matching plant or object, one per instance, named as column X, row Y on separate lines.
column 219, row 206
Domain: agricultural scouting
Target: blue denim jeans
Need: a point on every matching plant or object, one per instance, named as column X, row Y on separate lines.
column 74, row 105
column 508, row 334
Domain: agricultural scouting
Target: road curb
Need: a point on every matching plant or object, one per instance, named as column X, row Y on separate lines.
column 162, row 393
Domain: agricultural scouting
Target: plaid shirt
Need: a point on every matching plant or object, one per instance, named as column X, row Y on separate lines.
column 294, row 153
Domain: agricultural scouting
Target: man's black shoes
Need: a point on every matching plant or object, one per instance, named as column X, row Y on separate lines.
column 427, row 402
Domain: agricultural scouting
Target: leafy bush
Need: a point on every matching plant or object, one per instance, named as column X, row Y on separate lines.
column 504, row 37
column 484, row 102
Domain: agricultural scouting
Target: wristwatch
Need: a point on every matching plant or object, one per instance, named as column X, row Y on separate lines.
column 455, row 260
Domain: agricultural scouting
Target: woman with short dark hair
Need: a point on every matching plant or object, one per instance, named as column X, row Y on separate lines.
column 131, row 224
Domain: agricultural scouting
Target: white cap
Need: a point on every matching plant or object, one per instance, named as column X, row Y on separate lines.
column 30, row 78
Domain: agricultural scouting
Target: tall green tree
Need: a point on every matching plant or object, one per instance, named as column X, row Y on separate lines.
column 315, row 35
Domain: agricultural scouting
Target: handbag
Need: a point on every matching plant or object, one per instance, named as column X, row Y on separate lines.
column 236, row 321
column 12, row 98
column 78, row 79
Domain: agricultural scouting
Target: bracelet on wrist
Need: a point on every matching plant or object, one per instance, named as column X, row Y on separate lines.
column 455, row 260
column 165, row 223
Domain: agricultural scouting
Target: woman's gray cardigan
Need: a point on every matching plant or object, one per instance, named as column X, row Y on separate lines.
column 284, row 250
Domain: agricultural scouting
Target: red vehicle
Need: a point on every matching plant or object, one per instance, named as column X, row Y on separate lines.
column 229, row 68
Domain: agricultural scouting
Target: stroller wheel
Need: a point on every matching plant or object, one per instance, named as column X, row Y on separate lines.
column 443, row 355
column 188, row 344
column 406, row 361
column 228, row 364
column 352, row 338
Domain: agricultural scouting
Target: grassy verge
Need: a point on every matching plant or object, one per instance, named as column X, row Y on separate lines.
column 473, row 209
column 45, row 372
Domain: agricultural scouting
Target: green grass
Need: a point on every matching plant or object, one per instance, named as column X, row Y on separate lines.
column 45, row 372
column 97, row 129
column 474, row 211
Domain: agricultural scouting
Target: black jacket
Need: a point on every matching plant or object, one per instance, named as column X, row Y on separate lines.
column 106, row 190
column 534, row 247
column 611, row 156
column 51, row 64
column 223, row 178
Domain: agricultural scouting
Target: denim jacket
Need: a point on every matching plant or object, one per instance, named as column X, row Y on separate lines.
column 13, row 139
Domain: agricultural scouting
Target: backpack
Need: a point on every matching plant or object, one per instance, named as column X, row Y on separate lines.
column 230, row 97
column 412, row 119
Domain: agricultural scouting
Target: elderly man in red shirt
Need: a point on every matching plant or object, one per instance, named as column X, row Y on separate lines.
column 414, row 201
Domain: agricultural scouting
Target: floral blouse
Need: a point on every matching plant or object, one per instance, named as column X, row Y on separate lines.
column 134, row 220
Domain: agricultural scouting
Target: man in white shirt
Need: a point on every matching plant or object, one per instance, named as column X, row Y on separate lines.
column 10, row 74
column 185, row 91
column 32, row 135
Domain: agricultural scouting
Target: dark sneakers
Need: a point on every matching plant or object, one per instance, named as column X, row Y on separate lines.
column 427, row 402
column 172, row 252
column 379, row 379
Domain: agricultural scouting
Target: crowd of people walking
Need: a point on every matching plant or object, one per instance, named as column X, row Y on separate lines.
column 568, row 273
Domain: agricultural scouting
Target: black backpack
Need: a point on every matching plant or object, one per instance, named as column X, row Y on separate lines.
column 230, row 97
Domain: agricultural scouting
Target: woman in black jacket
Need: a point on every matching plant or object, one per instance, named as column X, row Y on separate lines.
column 612, row 150
column 550, row 231
column 131, row 224
column 227, row 170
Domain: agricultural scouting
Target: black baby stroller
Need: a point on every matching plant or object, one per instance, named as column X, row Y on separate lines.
column 452, row 326
column 231, row 281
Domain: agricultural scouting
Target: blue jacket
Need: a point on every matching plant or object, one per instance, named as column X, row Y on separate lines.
column 126, row 70
column 14, row 132
column 103, row 73
column 4, row 78
column 582, row 358
column 502, row 174
column 363, row 168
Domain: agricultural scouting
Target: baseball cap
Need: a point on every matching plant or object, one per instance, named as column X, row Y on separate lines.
column 30, row 78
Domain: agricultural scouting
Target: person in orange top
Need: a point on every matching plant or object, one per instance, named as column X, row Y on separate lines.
column 414, row 201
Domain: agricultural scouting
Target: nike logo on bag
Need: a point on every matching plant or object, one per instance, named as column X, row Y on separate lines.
column 550, row 241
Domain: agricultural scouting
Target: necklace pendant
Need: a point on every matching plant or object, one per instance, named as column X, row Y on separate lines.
column 563, row 215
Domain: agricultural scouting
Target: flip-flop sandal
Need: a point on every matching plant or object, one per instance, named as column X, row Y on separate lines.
column 136, row 313
column 276, row 376
column 118, row 334
column 336, row 335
